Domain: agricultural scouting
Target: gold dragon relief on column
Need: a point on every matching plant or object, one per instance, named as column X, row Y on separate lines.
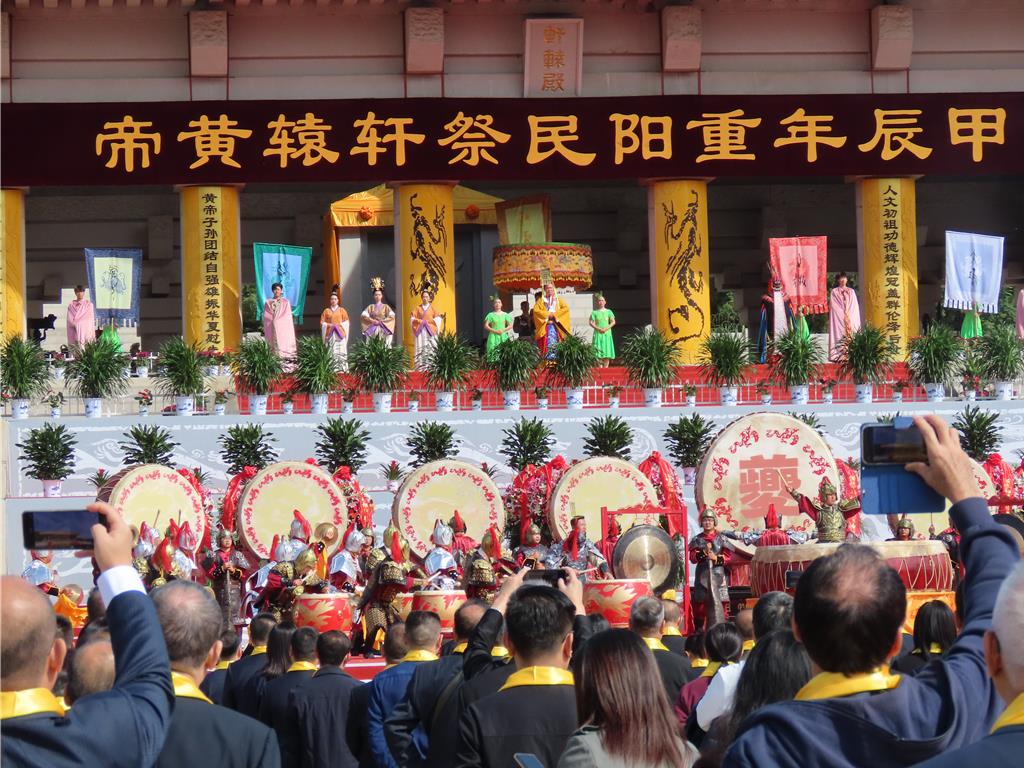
column 684, row 245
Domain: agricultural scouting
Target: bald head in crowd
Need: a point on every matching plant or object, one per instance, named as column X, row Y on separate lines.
column 744, row 621
column 191, row 621
column 468, row 616
column 31, row 651
column 1004, row 650
column 92, row 670
column 672, row 612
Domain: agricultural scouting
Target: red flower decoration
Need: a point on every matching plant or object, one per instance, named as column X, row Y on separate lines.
column 472, row 211
column 365, row 214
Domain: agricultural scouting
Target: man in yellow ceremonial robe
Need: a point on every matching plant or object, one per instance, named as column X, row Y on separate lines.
column 550, row 321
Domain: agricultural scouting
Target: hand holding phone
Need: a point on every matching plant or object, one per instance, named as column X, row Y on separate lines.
column 948, row 470
column 112, row 537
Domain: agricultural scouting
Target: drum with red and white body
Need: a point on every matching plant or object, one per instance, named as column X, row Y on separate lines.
column 155, row 494
column 599, row 482
column 405, row 604
column 443, row 602
column 612, row 598
column 324, row 612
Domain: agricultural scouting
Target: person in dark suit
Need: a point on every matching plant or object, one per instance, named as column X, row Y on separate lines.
column 248, row 668
column 213, row 684
column 647, row 619
column 279, row 658
column 121, row 727
column 321, row 706
column 671, row 637
column 357, row 728
column 276, row 701
column 202, row 733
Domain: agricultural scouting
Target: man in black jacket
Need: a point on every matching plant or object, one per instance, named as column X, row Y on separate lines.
column 321, row 706
column 213, row 683
column 202, row 733
column 275, row 703
column 357, row 728
column 646, row 619
column 121, row 727
column 249, row 667
column 671, row 637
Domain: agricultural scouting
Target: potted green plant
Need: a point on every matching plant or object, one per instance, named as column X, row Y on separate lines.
column 288, row 403
column 24, row 374
column 342, row 443
column 688, row 439
column 690, row 392
column 724, row 358
column 614, row 395
column 210, row 362
column 220, row 402
column 246, row 445
column 315, row 371
column 181, row 375
column 145, row 399
column 431, row 441
column 348, row 399
column 527, row 441
column 572, row 365
column 55, row 400
column 448, row 366
column 827, row 389
column 414, row 402
column 971, row 371
column 898, row 387
column 867, row 356
column 934, row 359
column 608, row 436
column 980, row 432
column 541, row 393
column 48, row 454
column 142, row 361
column 392, row 475
column 795, row 362
column 476, row 399
column 147, row 445
column 380, row 369
column 764, row 391
column 256, row 368
column 57, row 363
column 1002, row 355
column 514, row 364
column 97, row 372
column 651, row 361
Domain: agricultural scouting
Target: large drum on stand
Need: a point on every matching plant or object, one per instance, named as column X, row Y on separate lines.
column 646, row 552
column 324, row 612
column 588, row 486
column 443, row 602
column 612, row 598
column 155, row 494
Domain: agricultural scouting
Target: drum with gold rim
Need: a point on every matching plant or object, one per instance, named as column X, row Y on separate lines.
column 599, row 482
column 324, row 612
column 155, row 494
column 443, row 602
column 612, row 598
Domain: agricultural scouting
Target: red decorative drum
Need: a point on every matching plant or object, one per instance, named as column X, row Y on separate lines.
column 602, row 481
column 612, row 598
column 405, row 604
column 443, row 602
column 324, row 612
column 155, row 494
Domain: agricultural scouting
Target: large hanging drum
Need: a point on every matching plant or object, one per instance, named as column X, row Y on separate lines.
column 595, row 483
column 443, row 602
column 612, row 598
column 646, row 552
column 156, row 495
column 743, row 470
column 324, row 612
column 266, row 504
column 436, row 490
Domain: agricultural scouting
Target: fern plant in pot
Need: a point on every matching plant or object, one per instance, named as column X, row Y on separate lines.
column 795, row 363
column 934, row 360
column 608, row 436
column 181, row 374
column 380, row 369
column 24, row 374
column 97, row 371
column 651, row 361
column 724, row 359
column 431, row 441
column 342, row 443
column 315, row 371
column 688, row 439
column 574, row 359
column 527, row 441
column 48, row 454
column 867, row 357
column 1002, row 355
column 256, row 368
column 448, row 366
column 514, row 364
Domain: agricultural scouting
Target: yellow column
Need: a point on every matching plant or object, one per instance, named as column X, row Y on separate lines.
column 680, row 268
column 424, row 251
column 888, row 252
column 211, row 267
column 12, row 263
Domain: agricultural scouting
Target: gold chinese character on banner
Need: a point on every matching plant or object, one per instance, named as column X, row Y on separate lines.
column 553, row 34
column 977, row 127
column 652, row 130
column 724, row 134
column 895, row 129
column 553, row 82
column 370, row 140
column 553, row 59
column 125, row 139
column 472, row 137
column 809, row 130
column 214, row 138
column 553, row 133
column 305, row 138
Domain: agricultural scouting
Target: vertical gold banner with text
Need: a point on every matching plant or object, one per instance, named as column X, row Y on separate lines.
column 211, row 267
column 889, row 253
column 677, row 212
column 424, row 252
column 12, row 263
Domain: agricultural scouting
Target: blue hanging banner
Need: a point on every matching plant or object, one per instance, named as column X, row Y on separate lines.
column 284, row 264
column 114, row 275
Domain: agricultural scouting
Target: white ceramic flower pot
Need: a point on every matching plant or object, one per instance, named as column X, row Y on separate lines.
column 258, row 405
column 392, row 485
column 970, row 395
column 728, row 395
column 382, row 402
column 288, row 408
column 511, row 399
column 93, row 407
column 864, row 393
column 19, row 408
column 143, row 410
column 128, row 372
column 219, row 409
column 444, row 401
column 766, row 399
column 51, row 488
column 58, row 373
column 346, row 406
column 574, row 398
column 225, row 370
column 691, row 401
column 1003, row 390
column 689, row 475
column 652, row 397
column 184, row 405
column 542, row 403
column 414, row 406
column 55, row 413
column 613, row 401
column 477, row 405
column 318, row 404
column 935, row 392
column 826, row 398
column 142, row 371
column 799, row 394
column 211, row 370
column 897, row 396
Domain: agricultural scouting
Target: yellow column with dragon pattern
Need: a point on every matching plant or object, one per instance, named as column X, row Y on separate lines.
column 12, row 263
column 677, row 212
column 424, row 253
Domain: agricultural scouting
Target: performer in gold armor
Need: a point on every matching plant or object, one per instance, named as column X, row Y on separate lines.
column 828, row 512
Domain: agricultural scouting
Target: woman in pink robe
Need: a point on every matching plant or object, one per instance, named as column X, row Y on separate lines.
column 81, row 319
column 278, row 326
column 844, row 314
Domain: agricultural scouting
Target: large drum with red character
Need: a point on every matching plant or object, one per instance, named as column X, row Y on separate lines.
column 324, row 612
column 924, row 566
column 443, row 602
column 612, row 598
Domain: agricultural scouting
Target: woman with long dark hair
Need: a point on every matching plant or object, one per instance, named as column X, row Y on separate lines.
column 724, row 645
column 279, row 650
column 626, row 720
column 934, row 633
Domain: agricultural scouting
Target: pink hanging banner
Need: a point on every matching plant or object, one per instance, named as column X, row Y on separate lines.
column 802, row 265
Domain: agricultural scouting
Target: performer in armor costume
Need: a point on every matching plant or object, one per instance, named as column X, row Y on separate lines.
column 462, row 544
column 607, row 545
column 440, row 564
column 288, row 580
column 345, row 571
column 531, row 548
column 950, row 538
column 226, row 572
column 480, row 582
column 578, row 552
column 491, row 552
column 298, row 540
column 828, row 512
column 39, row 572
column 904, row 530
column 184, row 557
column 710, row 595
column 379, row 605
column 773, row 535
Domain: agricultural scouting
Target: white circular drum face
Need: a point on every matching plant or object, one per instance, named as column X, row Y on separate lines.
column 155, row 495
column 603, row 481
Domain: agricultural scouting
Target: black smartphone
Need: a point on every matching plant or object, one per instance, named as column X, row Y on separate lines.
column 885, row 444
column 530, row 562
column 550, row 576
column 64, row 529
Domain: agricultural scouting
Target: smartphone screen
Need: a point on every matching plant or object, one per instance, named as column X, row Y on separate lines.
column 530, row 562
column 885, row 444
column 66, row 529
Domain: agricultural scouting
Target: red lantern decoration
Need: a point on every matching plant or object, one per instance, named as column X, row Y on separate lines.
column 365, row 214
column 472, row 211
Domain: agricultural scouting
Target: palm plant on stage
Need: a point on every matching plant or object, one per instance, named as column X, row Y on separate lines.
column 181, row 369
column 811, row 420
column 795, row 359
column 980, row 434
column 377, row 366
column 1002, row 353
column 866, row 356
column 315, row 368
column 147, row 445
column 256, row 366
column 574, row 361
column 608, row 436
column 98, row 370
column 342, row 443
column 935, row 357
column 24, row 374
column 49, row 452
column 431, row 441
column 688, row 439
column 527, row 441
column 724, row 359
column 514, row 364
column 651, row 360
column 246, row 445
column 450, row 362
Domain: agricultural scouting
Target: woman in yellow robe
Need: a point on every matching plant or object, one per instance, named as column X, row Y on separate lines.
column 426, row 324
column 378, row 319
column 334, row 327
column 550, row 321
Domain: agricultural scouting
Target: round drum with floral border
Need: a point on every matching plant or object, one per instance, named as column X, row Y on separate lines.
column 599, row 482
column 435, row 491
column 744, row 469
column 266, row 505
column 156, row 495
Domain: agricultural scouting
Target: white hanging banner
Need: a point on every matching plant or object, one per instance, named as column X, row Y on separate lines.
column 974, row 271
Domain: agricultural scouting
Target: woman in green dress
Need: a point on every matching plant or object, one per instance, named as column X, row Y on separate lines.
column 801, row 324
column 498, row 324
column 971, row 326
column 602, row 320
